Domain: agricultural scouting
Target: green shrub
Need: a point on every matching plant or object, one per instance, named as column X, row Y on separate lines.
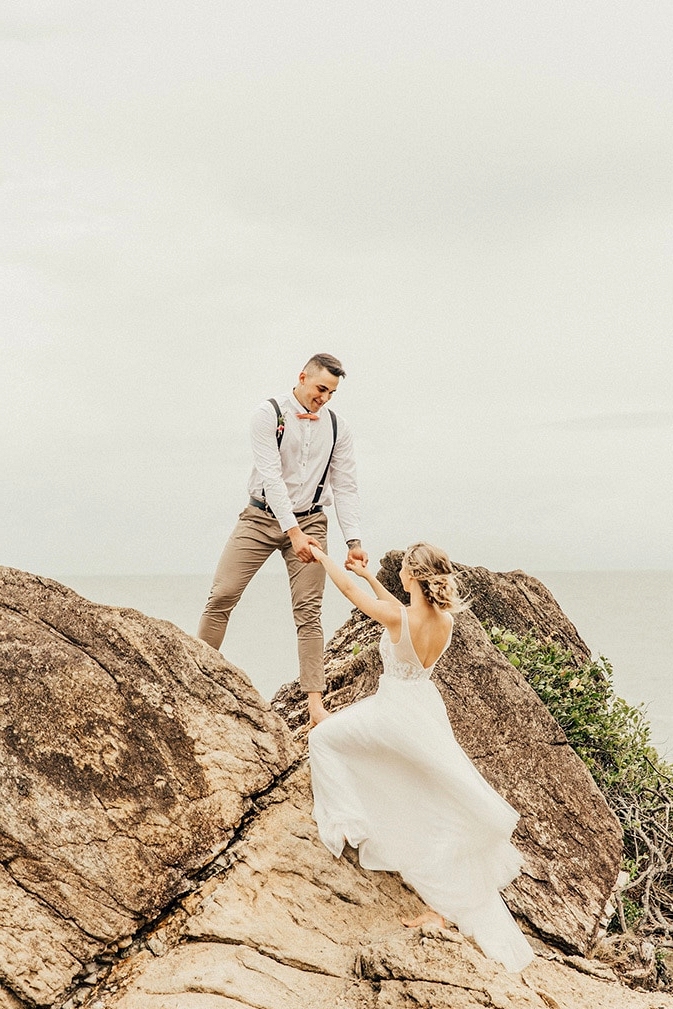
column 613, row 739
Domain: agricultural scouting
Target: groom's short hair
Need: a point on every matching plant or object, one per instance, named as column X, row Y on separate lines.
column 332, row 364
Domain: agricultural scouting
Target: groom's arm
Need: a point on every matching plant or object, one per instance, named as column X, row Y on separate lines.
column 266, row 457
column 343, row 481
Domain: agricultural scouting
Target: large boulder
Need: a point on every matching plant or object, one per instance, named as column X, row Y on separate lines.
column 129, row 755
column 282, row 924
column 158, row 849
column 570, row 839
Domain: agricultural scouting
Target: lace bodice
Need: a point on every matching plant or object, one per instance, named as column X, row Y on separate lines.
column 400, row 660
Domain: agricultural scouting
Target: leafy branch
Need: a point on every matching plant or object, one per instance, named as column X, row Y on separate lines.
column 614, row 741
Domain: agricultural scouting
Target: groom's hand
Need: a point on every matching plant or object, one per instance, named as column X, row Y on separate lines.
column 301, row 544
column 356, row 553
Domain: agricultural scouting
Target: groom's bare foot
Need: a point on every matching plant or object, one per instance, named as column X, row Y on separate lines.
column 316, row 710
column 427, row 918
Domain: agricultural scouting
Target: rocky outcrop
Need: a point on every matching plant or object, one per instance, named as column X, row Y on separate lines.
column 129, row 752
column 511, row 599
column 287, row 926
column 158, row 850
column 570, row 839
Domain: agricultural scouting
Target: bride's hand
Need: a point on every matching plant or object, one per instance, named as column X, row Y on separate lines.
column 356, row 566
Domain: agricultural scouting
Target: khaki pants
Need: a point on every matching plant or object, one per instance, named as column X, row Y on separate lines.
column 253, row 540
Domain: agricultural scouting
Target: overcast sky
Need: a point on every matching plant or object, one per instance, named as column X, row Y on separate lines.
column 469, row 203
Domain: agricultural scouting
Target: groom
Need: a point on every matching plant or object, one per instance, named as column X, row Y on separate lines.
column 302, row 460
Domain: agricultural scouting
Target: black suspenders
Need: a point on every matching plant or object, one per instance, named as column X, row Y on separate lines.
column 319, row 488
column 280, row 431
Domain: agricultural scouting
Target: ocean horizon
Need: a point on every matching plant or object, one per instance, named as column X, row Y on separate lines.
column 622, row 615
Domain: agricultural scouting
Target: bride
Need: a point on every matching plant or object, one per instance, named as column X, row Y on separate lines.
column 390, row 778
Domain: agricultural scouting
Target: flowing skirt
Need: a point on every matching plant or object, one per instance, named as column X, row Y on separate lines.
column 390, row 778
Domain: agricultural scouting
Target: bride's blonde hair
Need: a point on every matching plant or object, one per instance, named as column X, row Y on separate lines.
column 432, row 569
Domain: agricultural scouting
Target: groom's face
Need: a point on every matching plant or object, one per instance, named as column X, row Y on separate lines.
column 316, row 388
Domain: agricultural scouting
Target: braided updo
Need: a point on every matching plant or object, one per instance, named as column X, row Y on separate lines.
column 432, row 569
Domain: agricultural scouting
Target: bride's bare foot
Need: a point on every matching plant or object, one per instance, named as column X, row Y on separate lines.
column 427, row 918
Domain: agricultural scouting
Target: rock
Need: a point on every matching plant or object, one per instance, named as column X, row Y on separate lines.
column 287, row 926
column 162, row 847
column 570, row 839
column 521, row 603
column 129, row 754
column 512, row 599
column 9, row 1001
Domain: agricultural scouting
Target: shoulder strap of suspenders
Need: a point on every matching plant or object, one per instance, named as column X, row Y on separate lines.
column 319, row 488
column 280, row 422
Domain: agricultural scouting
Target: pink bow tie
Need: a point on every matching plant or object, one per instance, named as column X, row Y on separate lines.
column 308, row 416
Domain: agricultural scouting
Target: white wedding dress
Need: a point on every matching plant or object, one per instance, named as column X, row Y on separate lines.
column 390, row 778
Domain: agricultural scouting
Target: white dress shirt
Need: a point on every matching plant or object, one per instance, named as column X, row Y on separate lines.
column 289, row 477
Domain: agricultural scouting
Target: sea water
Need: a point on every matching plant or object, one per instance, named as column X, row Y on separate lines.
column 624, row 615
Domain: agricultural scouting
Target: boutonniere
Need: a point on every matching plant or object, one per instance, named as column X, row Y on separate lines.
column 281, row 425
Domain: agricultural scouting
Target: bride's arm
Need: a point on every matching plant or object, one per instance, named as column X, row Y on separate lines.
column 358, row 568
column 384, row 609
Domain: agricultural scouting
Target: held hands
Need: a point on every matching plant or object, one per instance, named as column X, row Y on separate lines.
column 357, row 565
column 303, row 544
column 357, row 561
